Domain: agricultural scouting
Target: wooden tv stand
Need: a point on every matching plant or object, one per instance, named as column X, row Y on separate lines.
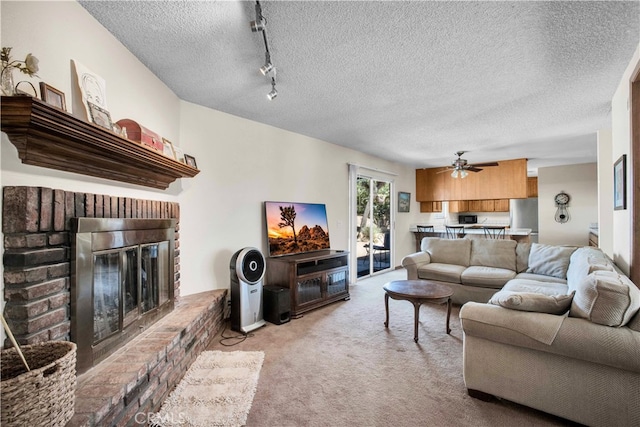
column 314, row 279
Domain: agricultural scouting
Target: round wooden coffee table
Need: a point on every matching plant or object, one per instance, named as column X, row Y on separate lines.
column 418, row 292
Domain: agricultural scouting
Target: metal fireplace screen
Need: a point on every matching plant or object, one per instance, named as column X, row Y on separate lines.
column 121, row 282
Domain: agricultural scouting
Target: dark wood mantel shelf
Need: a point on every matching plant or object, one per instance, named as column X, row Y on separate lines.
column 49, row 137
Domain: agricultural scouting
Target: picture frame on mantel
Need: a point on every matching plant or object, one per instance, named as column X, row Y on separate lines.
column 100, row 116
column 52, row 96
column 404, row 201
column 620, row 183
column 190, row 160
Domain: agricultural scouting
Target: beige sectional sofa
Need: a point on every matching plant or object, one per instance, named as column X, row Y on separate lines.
column 551, row 327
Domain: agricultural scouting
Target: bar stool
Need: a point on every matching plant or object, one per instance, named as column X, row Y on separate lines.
column 425, row 228
column 454, row 231
column 494, row 231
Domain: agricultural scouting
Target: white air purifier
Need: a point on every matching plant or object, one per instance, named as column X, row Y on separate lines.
column 247, row 271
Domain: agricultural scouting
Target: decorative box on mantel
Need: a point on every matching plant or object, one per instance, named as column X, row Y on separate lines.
column 49, row 137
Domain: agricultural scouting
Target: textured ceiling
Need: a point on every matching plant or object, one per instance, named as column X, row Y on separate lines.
column 411, row 82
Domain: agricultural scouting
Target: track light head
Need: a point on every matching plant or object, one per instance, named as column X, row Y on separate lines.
column 271, row 95
column 257, row 25
column 266, row 68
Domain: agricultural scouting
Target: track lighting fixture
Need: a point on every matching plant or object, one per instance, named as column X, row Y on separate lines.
column 271, row 95
column 260, row 25
column 268, row 66
column 257, row 25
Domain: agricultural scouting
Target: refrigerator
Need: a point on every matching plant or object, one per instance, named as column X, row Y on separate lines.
column 524, row 214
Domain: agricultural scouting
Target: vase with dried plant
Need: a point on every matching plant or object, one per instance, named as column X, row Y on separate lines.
column 28, row 66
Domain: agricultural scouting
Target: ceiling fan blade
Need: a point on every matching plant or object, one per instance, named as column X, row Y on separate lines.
column 473, row 169
column 445, row 170
column 485, row 164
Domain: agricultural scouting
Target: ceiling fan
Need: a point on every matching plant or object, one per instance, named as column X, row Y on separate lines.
column 460, row 166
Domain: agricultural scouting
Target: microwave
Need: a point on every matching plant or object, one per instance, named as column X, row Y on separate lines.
column 468, row 219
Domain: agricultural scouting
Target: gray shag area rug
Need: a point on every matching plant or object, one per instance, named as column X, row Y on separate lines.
column 217, row 390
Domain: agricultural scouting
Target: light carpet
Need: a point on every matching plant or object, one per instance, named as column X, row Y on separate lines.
column 338, row 366
column 217, row 390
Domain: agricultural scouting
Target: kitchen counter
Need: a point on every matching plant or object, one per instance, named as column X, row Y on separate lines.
column 472, row 231
column 478, row 229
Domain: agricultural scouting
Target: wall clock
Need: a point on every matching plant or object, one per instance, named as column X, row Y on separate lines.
column 562, row 200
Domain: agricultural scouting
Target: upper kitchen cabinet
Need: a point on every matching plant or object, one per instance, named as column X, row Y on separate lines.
column 508, row 180
column 532, row 186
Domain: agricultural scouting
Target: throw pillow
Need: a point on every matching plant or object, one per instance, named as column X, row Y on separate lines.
column 530, row 301
column 549, row 260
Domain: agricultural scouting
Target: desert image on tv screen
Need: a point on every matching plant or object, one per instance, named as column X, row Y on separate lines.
column 294, row 228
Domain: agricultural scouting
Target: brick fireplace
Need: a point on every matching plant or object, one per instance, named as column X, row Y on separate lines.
column 135, row 379
column 36, row 224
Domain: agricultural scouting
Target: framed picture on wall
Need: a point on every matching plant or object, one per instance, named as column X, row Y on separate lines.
column 620, row 183
column 404, row 201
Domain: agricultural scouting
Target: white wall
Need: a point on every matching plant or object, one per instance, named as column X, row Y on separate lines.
column 621, row 137
column 242, row 163
column 581, row 183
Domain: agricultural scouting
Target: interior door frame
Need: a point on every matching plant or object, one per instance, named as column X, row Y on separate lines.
column 635, row 177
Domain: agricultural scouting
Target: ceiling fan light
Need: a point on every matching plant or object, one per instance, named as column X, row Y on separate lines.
column 455, row 173
column 463, row 173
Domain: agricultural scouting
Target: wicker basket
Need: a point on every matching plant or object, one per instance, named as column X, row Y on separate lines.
column 44, row 396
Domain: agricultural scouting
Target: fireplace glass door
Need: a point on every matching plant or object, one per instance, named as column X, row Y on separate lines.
column 122, row 282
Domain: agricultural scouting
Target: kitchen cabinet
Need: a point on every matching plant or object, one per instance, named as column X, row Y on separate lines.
column 497, row 205
column 508, row 180
column 459, row 206
column 430, row 207
column 532, row 186
column 501, row 205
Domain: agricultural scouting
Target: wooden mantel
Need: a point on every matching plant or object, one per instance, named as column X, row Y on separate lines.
column 49, row 137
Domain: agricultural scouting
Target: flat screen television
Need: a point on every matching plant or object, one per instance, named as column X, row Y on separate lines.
column 294, row 228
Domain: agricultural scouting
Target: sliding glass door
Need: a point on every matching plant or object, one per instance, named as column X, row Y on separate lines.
column 373, row 225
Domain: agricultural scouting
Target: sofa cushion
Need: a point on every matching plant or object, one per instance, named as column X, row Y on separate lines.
column 442, row 272
column 522, row 256
column 634, row 323
column 486, row 277
column 606, row 298
column 531, row 301
column 549, row 260
column 497, row 253
column 535, row 286
column 584, row 261
column 540, row 278
column 446, row 251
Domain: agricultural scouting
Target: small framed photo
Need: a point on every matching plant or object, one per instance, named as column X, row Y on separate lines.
column 190, row 160
column 404, row 201
column 52, row 96
column 620, row 183
column 177, row 151
column 100, row 116
column 167, row 148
